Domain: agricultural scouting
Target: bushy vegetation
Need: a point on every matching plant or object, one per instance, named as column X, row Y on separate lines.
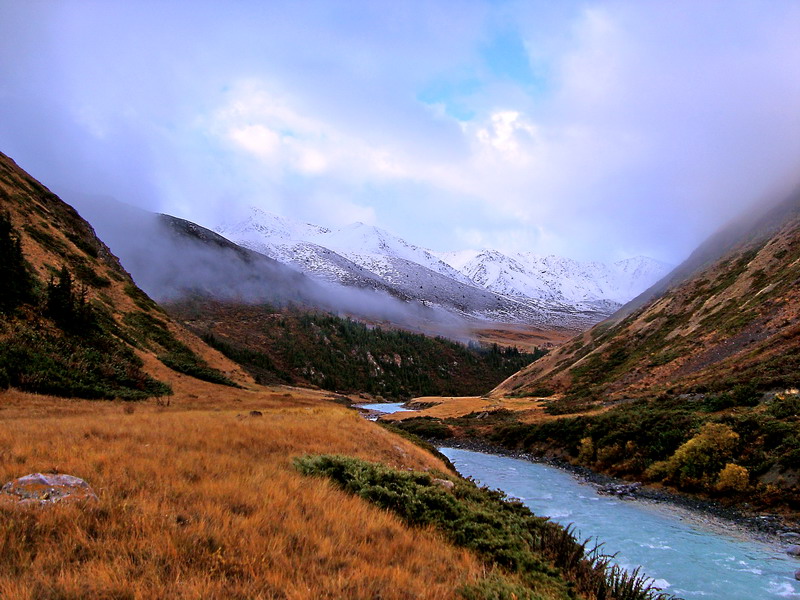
column 95, row 365
column 537, row 557
column 425, row 427
column 679, row 441
column 297, row 346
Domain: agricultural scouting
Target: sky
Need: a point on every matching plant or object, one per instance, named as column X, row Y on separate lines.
column 594, row 130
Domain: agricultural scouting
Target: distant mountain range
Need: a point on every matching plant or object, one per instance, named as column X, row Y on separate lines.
column 485, row 285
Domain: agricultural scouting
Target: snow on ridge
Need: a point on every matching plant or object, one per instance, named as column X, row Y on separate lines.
column 520, row 287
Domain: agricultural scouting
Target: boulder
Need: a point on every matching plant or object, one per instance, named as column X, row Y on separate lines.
column 445, row 483
column 793, row 550
column 797, row 574
column 790, row 536
column 46, row 488
column 624, row 491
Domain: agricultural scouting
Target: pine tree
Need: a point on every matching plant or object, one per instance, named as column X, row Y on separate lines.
column 16, row 285
column 67, row 304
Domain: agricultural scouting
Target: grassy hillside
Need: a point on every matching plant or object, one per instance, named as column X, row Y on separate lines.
column 293, row 345
column 735, row 321
column 72, row 322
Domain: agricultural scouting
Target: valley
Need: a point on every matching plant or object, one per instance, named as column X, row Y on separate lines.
column 203, row 482
column 400, row 300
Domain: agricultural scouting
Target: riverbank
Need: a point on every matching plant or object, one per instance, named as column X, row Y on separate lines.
column 687, row 553
column 767, row 527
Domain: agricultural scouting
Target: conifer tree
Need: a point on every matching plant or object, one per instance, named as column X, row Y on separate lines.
column 16, row 285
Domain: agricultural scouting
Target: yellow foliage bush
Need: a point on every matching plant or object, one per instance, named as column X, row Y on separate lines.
column 702, row 457
column 586, row 450
column 609, row 455
column 733, row 478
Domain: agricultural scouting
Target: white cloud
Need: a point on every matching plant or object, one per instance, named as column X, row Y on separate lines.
column 648, row 125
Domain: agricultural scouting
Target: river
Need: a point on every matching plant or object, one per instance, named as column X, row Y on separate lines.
column 690, row 555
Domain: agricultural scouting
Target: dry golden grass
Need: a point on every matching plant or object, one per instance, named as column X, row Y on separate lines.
column 530, row 410
column 198, row 500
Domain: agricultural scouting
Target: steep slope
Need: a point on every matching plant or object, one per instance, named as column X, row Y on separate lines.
column 72, row 322
column 171, row 258
column 727, row 316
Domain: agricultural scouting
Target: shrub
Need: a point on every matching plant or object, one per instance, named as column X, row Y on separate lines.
column 704, row 455
column 503, row 532
column 586, row 450
column 733, row 478
column 425, row 427
column 785, row 407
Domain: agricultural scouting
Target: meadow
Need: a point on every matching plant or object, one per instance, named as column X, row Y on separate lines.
column 199, row 499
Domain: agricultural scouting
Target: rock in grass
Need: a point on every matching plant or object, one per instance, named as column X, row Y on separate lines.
column 444, row 483
column 46, row 488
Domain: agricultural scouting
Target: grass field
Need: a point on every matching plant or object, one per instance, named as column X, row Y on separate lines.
column 199, row 499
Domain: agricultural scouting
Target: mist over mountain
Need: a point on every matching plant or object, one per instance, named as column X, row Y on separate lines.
column 489, row 286
column 172, row 259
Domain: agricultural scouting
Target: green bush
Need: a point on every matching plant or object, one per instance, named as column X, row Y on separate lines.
column 537, row 558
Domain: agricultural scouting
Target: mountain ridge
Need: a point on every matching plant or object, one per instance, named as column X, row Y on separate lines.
column 405, row 268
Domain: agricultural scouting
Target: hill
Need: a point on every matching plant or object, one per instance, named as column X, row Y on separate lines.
column 297, row 346
column 728, row 316
column 73, row 322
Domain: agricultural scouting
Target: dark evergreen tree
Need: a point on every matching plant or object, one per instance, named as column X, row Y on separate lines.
column 66, row 304
column 16, row 284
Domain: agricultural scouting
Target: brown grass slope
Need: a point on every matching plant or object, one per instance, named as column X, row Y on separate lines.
column 728, row 316
column 53, row 235
column 199, row 502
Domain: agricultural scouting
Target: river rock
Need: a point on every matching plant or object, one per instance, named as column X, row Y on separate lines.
column 793, row 550
column 624, row 491
column 797, row 574
column 46, row 488
column 790, row 536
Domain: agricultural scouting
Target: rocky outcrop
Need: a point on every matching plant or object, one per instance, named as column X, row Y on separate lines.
column 46, row 488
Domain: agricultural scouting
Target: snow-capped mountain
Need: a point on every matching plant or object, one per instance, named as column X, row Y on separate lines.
column 488, row 285
column 558, row 279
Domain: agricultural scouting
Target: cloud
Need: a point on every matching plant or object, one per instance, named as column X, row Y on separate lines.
column 597, row 130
